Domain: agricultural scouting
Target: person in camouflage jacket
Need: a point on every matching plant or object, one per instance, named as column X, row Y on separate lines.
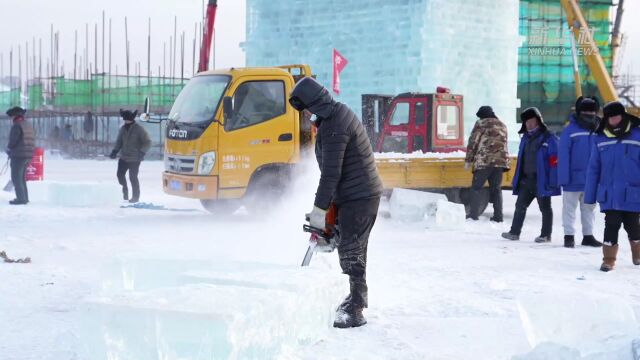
column 488, row 157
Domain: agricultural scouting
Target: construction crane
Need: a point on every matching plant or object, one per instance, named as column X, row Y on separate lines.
column 591, row 54
column 207, row 35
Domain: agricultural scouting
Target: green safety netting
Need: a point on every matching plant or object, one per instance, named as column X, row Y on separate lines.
column 104, row 92
column 545, row 61
column 35, row 96
column 9, row 99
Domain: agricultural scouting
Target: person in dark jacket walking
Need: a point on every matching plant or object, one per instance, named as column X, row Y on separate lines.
column 536, row 174
column 349, row 180
column 488, row 157
column 573, row 158
column 613, row 180
column 20, row 151
column 133, row 143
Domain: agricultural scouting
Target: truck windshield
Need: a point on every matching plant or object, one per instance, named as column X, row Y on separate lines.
column 199, row 100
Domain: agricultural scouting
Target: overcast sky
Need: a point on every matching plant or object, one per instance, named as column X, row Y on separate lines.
column 24, row 20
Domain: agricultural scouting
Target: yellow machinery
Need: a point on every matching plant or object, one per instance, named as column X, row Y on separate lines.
column 578, row 25
column 232, row 134
column 233, row 138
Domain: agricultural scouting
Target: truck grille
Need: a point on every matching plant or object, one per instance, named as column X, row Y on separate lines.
column 179, row 164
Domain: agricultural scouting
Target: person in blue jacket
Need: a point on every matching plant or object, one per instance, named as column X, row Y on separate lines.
column 536, row 174
column 573, row 159
column 613, row 180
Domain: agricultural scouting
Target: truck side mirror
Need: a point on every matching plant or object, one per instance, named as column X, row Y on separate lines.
column 227, row 108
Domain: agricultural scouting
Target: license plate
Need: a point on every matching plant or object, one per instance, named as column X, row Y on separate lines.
column 175, row 185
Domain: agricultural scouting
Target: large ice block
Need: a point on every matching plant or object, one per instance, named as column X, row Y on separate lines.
column 413, row 205
column 75, row 194
column 196, row 309
column 392, row 47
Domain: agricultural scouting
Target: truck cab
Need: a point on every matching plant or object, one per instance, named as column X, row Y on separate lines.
column 231, row 133
column 411, row 122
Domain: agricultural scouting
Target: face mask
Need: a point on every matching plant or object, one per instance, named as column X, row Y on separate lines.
column 589, row 119
column 533, row 131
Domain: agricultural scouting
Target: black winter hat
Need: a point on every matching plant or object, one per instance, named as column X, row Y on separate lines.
column 589, row 103
column 128, row 114
column 309, row 94
column 613, row 109
column 616, row 108
column 485, row 112
column 529, row 113
column 16, row 111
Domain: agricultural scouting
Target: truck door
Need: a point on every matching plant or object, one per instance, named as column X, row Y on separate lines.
column 260, row 131
column 406, row 126
column 447, row 132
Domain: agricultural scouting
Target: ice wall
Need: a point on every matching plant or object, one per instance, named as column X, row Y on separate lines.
column 396, row 46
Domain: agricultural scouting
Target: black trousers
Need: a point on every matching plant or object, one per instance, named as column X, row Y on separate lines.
column 613, row 219
column 528, row 191
column 133, row 167
column 18, row 169
column 494, row 176
column 355, row 220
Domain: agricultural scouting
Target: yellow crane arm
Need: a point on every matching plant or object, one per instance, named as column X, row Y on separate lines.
column 584, row 38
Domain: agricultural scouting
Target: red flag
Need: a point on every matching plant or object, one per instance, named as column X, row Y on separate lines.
column 339, row 63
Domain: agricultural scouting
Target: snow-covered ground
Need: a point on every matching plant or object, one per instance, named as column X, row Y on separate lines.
column 120, row 283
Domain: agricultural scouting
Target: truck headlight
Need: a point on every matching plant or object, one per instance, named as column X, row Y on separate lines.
column 206, row 163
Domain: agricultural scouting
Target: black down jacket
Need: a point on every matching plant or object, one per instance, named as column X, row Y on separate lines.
column 344, row 153
column 21, row 140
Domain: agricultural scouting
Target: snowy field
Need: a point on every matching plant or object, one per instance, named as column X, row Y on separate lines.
column 119, row 283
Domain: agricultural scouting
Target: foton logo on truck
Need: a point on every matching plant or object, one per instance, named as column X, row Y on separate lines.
column 178, row 134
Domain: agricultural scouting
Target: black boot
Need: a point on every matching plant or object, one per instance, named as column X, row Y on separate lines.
column 589, row 240
column 125, row 194
column 569, row 241
column 349, row 317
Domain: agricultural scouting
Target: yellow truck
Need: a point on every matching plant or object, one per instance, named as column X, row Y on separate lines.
column 232, row 138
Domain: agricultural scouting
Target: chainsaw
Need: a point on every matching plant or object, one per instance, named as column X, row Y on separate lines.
column 322, row 240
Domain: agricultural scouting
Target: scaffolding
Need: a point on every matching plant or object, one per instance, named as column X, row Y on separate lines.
column 545, row 61
column 81, row 118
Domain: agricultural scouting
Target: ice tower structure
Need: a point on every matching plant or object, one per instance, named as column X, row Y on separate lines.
column 396, row 46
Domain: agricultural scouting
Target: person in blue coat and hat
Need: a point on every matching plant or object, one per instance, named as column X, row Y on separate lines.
column 613, row 180
column 573, row 159
column 536, row 174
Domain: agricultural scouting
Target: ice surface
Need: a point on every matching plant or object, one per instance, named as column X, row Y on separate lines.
column 184, row 309
column 75, row 194
column 412, row 205
column 549, row 350
column 592, row 326
column 392, row 47
column 454, row 296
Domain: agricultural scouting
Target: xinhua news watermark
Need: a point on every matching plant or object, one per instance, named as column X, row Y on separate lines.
column 553, row 40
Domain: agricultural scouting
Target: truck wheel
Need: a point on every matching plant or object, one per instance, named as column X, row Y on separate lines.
column 221, row 207
column 264, row 193
column 465, row 198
